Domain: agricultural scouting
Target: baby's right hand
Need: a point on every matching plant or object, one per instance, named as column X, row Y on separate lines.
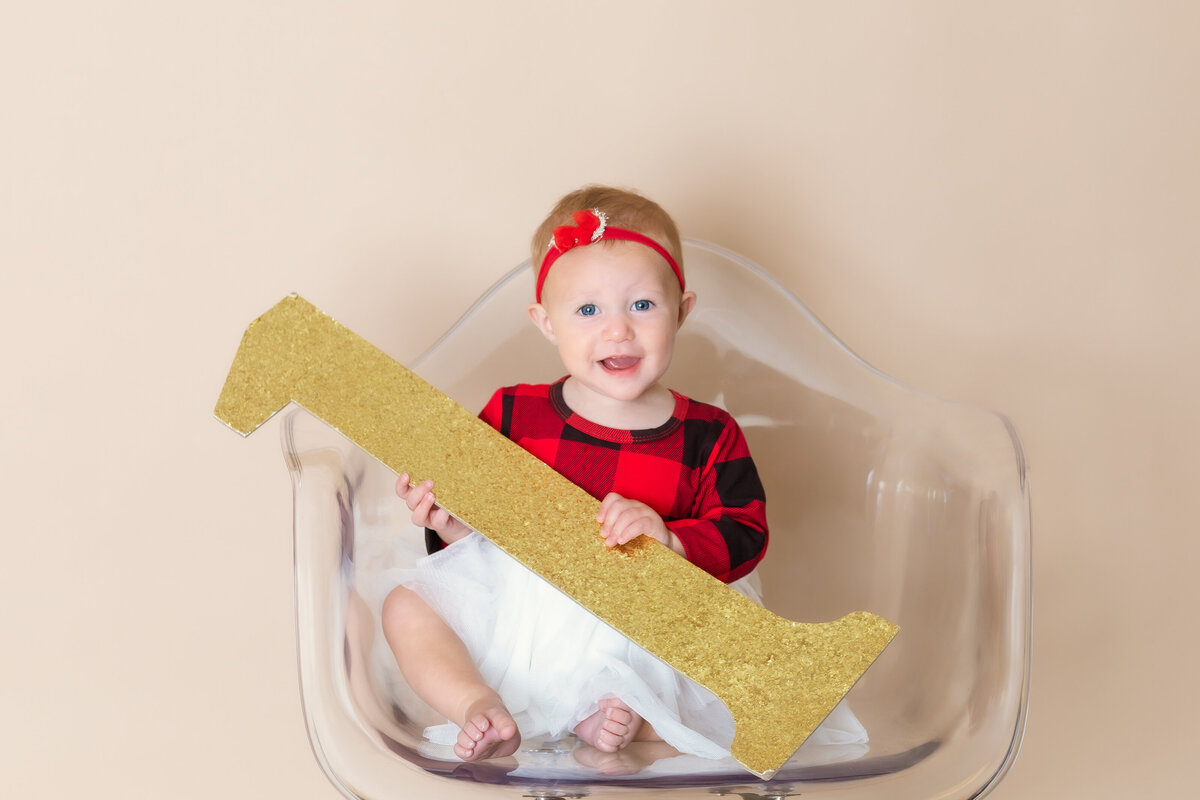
column 426, row 513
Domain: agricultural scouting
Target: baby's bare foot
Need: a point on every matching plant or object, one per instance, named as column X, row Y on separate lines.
column 611, row 728
column 489, row 732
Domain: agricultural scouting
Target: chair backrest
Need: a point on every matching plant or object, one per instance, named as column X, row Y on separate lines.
column 880, row 498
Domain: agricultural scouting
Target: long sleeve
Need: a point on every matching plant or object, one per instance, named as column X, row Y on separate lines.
column 726, row 534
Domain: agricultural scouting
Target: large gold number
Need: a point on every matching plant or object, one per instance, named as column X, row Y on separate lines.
column 779, row 678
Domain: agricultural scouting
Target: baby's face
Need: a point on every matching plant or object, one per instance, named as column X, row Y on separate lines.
column 613, row 311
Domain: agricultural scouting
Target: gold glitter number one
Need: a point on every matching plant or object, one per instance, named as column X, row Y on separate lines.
column 779, row 678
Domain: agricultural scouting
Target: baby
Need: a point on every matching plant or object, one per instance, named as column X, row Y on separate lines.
column 490, row 645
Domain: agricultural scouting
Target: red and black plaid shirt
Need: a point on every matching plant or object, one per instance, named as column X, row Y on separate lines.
column 695, row 470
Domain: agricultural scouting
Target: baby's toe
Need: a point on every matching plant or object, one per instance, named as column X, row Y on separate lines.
column 616, row 728
column 612, row 738
column 621, row 716
column 464, row 748
column 469, row 737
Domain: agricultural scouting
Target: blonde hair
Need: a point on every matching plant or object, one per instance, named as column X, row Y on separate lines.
column 625, row 209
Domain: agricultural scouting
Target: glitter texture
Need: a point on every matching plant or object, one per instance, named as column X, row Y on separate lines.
column 779, row 678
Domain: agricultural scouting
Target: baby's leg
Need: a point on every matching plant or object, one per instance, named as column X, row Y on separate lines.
column 613, row 727
column 439, row 669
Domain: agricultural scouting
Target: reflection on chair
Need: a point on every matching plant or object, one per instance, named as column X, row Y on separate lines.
column 880, row 498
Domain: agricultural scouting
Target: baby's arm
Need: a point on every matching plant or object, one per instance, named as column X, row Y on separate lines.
column 725, row 531
column 426, row 513
column 623, row 519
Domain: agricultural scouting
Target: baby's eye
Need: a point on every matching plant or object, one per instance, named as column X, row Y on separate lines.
column 588, row 309
column 642, row 305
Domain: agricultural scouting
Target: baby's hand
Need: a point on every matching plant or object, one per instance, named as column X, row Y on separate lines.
column 622, row 520
column 425, row 513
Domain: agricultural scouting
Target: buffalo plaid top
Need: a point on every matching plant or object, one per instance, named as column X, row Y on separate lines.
column 694, row 470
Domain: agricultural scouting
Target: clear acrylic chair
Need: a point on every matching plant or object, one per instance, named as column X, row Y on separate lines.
column 880, row 498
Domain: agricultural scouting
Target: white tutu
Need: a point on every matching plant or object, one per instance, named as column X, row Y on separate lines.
column 551, row 660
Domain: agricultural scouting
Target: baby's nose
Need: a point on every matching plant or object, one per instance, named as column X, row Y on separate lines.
column 618, row 328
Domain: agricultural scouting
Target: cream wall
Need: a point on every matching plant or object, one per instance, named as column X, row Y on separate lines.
column 996, row 202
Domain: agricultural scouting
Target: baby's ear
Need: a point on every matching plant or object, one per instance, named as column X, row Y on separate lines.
column 686, row 303
column 541, row 320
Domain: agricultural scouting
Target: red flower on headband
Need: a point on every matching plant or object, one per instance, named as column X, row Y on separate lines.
column 589, row 227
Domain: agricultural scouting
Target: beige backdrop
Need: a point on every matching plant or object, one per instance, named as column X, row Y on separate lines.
column 996, row 202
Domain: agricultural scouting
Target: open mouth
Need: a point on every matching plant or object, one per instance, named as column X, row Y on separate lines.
column 619, row 363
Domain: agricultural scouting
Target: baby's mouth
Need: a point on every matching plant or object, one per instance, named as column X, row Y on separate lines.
column 619, row 363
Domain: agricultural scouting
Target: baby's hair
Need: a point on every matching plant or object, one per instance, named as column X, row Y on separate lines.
column 625, row 209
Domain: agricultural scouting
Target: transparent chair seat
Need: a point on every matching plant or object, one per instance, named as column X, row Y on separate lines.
column 880, row 498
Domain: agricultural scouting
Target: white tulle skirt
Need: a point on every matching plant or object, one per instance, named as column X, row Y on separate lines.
column 551, row 660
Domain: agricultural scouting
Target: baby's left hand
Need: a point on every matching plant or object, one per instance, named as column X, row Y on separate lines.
column 622, row 520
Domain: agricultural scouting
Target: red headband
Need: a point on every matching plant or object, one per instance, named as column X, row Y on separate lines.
column 591, row 225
